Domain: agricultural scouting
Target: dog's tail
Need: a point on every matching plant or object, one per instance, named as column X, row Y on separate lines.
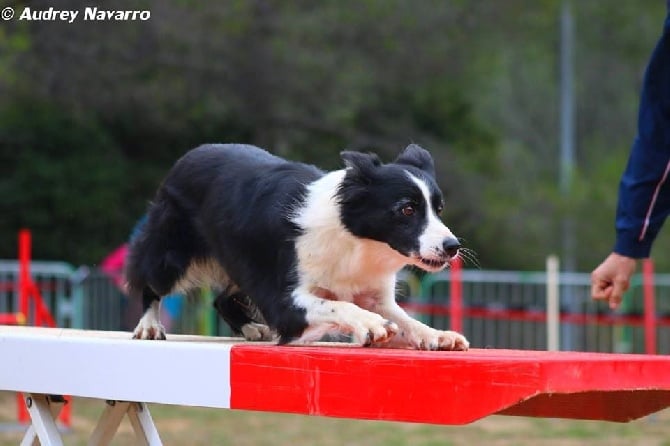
column 163, row 247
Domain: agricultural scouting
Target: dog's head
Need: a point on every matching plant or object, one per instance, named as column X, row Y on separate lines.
column 397, row 204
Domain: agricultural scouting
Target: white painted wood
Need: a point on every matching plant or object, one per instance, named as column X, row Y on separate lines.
column 30, row 438
column 111, row 366
column 43, row 422
column 143, row 425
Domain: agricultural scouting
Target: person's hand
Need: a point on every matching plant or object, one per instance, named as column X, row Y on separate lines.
column 611, row 279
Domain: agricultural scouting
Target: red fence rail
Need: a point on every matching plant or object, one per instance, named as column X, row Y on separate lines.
column 534, row 316
column 650, row 320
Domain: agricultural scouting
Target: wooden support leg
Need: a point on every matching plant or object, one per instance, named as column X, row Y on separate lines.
column 43, row 410
column 108, row 423
column 140, row 419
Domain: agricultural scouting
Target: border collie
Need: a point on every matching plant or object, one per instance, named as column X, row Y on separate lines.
column 296, row 252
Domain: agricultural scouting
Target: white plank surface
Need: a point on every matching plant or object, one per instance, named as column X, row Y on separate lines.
column 184, row 370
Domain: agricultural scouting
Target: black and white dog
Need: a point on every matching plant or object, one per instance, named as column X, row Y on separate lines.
column 295, row 251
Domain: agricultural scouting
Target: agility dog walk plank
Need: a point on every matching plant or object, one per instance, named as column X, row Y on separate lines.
column 334, row 380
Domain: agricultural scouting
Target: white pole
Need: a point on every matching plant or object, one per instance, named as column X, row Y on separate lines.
column 569, row 333
column 552, row 303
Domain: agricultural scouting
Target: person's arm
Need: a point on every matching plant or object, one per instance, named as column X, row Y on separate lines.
column 644, row 190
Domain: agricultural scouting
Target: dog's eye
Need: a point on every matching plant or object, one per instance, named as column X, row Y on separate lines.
column 408, row 210
column 439, row 208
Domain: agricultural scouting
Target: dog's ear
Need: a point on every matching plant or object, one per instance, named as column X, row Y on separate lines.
column 362, row 164
column 416, row 156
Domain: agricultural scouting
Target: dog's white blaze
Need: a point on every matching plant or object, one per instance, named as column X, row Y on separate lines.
column 320, row 208
column 430, row 241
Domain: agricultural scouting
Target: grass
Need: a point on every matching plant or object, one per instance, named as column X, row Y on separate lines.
column 198, row 426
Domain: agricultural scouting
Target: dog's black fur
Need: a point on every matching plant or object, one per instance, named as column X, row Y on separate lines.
column 202, row 210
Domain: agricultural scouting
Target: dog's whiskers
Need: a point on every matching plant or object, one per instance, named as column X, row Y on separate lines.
column 469, row 256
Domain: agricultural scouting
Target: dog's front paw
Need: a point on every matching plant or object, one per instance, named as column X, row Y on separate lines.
column 154, row 331
column 254, row 331
column 374, row 329
column 431, row 339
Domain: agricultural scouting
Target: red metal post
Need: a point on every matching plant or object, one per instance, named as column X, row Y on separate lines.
column 41, row 315
column 66, row 413
column 649, row 306
column 24, row 294
column 456, row 295
column 22, row 414
column 24, row 270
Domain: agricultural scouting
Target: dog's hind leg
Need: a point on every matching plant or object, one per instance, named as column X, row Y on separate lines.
column 149, row 326
column 161, row 254
column 242, row 315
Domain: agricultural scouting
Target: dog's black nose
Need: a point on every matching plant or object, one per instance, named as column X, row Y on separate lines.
column 450, row 246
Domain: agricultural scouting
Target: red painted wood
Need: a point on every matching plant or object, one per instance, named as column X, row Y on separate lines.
column 446, row 387
column 618, row 405
column 456, row 294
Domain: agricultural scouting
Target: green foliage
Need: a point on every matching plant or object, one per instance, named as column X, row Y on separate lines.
column 12, row 44
column 92, row 117
column 68, row 183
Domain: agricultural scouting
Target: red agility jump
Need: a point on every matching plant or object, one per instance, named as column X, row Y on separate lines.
column 337, row 381
column 31, row 310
